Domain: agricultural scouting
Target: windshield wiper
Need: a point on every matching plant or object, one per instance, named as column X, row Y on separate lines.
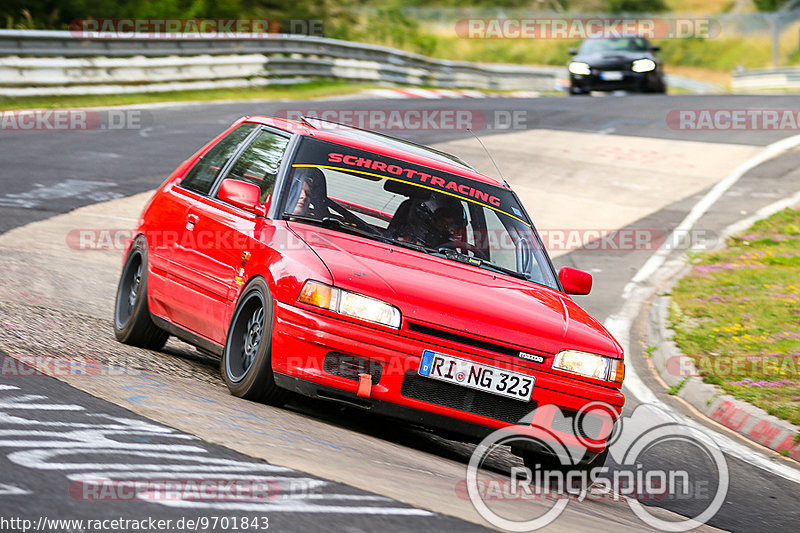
column 482, row 263
column 335, row 223
column 411, row 246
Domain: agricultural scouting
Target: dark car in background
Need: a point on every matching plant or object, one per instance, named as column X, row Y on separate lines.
column 616, row 64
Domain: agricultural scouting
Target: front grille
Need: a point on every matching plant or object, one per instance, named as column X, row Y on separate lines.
column 464, row 399
column 469, row 341
column 350, row 366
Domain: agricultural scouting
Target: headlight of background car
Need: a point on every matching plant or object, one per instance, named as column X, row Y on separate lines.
column 349, row 303
column 591, row 365
column 576, row 67
column 643, row 65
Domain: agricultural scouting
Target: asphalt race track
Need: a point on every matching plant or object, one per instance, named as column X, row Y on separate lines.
column 617, row 158
column 77, row 440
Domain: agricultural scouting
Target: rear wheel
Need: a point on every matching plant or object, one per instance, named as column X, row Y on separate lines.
column 246, row 360
column 132, row 322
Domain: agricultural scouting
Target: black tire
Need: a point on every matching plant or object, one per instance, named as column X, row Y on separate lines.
column 578, row 92
column 660, row 87
column 247, row 356
column 132, row 322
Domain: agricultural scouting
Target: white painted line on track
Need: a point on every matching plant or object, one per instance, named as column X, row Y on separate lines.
column 764, row 212
column 24, row 402
column 700, row 208
column 295, row 507
column 420, row 93
column 635, row 294
column 12, row 490
column 387, row 93
column 158, row 474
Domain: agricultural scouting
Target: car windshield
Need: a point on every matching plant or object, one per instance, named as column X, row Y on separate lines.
column 413, row 206
column 596, row 46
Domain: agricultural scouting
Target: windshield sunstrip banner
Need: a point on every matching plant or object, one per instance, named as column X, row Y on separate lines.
column 313, row 153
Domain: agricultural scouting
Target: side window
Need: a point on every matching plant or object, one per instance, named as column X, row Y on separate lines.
column 202, row 175
column 501, row 248
column 259, row 162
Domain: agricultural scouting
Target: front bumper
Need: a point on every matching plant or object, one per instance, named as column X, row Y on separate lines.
column 308, row 351
column 631, row 81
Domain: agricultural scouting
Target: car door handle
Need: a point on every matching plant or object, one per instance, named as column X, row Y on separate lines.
column 191, row 220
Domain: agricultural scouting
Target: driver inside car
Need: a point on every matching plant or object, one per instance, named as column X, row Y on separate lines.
column 432, row 222
column 309, row 189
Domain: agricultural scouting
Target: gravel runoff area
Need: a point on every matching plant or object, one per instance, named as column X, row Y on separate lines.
column 57, row 298
column 59, row 341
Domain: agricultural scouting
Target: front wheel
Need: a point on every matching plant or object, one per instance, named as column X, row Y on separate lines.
column 246, row 359
column 132, row 322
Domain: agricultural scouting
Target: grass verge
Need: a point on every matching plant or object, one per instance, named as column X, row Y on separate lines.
column 300, row 91
column 737, row 315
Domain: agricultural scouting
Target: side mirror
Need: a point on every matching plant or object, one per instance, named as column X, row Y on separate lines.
column 655, row 48
column 573, row 51
column 575, row 281
column 243, row 195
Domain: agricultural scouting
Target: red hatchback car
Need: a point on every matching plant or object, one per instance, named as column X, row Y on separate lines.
column 351, row 266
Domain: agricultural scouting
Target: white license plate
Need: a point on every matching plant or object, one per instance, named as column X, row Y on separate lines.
column 611, row 75
column 444, row 367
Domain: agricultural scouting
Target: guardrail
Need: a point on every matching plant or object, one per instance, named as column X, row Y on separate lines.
column 36, row 63
column 766, row 80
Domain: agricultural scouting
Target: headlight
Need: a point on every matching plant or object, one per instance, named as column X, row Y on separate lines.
column 576, row 67
column 591, row 365
column 349, row 303
column 643, row 65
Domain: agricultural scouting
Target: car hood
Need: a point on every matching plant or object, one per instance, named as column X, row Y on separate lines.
column 451, row 296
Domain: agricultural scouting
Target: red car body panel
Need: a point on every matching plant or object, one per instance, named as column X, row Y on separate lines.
column 311, row 336
column 195, row 285
column 439, row 291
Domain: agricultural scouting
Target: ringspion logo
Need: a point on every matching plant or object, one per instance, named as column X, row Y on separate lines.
column 556, row 474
